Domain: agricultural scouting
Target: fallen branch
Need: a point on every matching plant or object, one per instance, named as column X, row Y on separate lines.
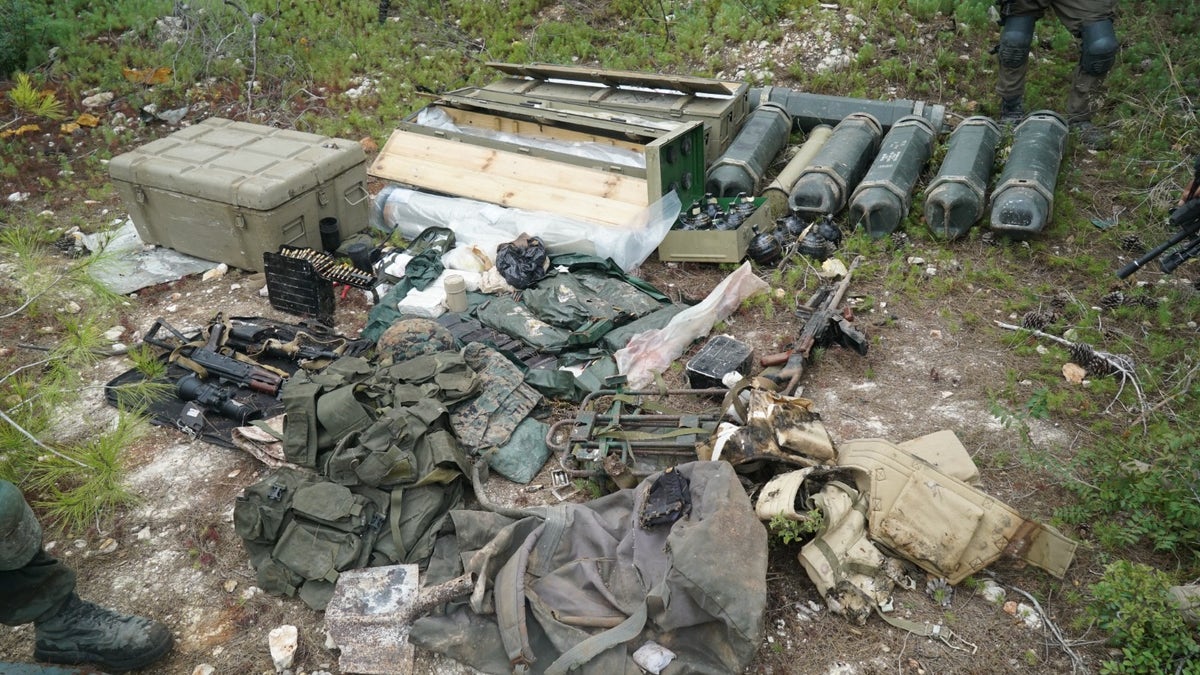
column 1115, row 363
column 38, row 443
column 1077, row 664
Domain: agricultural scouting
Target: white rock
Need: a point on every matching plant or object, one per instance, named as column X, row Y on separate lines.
column 113, row 333
column 1026, row 613
column 72, row 307
column 282, row 641
column 914, row 260
column 215, row 273
column 992, row 592
column 203, row 669
column 119, row 348
column 144, row 534
column 107, row 546
column 230, row 585
column 172, row 308
column 45, row 213
column 98, row 100
column 18, row 197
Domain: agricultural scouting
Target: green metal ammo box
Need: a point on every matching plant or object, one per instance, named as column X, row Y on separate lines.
column 722, row 106
column 589, row 165
column 229, row 191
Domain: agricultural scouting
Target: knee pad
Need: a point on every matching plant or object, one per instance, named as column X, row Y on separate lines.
column 1098, row 47
column 1015, row 39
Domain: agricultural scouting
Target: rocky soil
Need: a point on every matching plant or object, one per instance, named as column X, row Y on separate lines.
column 175, row 556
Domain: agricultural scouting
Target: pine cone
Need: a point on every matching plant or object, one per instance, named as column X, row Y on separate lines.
column 900, row 239
column 1086, row 357
column 1147, row 301
column 1037, row 320
column 1112, row 300
column 1131, row 243
column 1060, row 301
column 989, row 239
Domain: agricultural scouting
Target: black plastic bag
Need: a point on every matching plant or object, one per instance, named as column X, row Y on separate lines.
column 522, row 262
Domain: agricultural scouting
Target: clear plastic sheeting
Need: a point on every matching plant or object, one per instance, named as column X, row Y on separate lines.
column 653, row 351
column 436, row 118
column 487, row 225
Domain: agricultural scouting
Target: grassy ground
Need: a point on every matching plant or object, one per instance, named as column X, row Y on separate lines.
column 336, row 69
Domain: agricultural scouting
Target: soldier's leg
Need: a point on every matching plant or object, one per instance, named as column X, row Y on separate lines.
column 38, row 588
column 1018, row 20
column 1092, row 22
column 35, row 584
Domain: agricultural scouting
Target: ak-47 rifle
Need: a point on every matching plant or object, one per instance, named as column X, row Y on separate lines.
column 1186, row 218
column 824, row 324
column 210, row 361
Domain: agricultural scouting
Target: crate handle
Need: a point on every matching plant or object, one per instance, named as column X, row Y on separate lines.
column 359, row 188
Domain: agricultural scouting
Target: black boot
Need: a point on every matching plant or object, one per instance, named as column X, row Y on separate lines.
column 84, row 633
column 1012, row 110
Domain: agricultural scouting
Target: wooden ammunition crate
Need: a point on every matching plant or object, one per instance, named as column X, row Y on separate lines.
column 721, row 105
column 519, row 169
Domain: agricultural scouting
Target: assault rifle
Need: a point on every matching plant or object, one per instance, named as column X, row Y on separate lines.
column 1187, row 219
column 209, row 360
column 824, row 324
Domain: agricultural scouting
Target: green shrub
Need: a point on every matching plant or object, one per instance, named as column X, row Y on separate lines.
column 1130, row 603
column 1133, row 495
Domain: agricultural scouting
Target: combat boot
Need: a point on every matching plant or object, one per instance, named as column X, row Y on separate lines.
column 1012, row 110
column 82, row 632
column 1091, row 136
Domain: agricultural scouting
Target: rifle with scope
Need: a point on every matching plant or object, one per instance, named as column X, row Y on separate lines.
column 1186, row 219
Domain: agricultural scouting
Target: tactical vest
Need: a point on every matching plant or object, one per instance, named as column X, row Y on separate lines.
column 390, row 472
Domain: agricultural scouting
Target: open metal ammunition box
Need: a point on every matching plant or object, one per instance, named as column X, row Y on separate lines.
column 528, row 156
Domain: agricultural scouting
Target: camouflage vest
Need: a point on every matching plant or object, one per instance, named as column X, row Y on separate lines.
column 390, row 472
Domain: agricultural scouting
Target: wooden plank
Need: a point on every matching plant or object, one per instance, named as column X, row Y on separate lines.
column 509, row 179
column 527, row 128
column 523, row 169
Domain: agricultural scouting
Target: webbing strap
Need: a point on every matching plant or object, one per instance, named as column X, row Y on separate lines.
column 592, row 647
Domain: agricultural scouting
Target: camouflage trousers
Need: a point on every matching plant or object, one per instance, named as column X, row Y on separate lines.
column 32, row 589
column 1010, row 82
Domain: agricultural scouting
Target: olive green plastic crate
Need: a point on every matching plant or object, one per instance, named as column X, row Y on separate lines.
column 230, row 191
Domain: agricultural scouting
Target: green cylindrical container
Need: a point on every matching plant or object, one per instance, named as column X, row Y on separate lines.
column 882, row 199
column 954, row 199
column 1024, row 196
column 742, row 166
column 825, row 186
column 809, row 110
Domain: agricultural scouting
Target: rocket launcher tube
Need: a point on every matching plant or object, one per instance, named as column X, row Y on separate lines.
column 1024, row 196
column 741, row 168
column 955, row 197
column 825, row 186
column 777, row 192
column 882, row 200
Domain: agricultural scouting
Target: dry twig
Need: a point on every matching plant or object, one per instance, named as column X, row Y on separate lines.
column 1120, row 365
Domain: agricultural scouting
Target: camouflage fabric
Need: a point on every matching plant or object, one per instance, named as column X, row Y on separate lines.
column 513, row 318
column 488, row 420
column 412, row 337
